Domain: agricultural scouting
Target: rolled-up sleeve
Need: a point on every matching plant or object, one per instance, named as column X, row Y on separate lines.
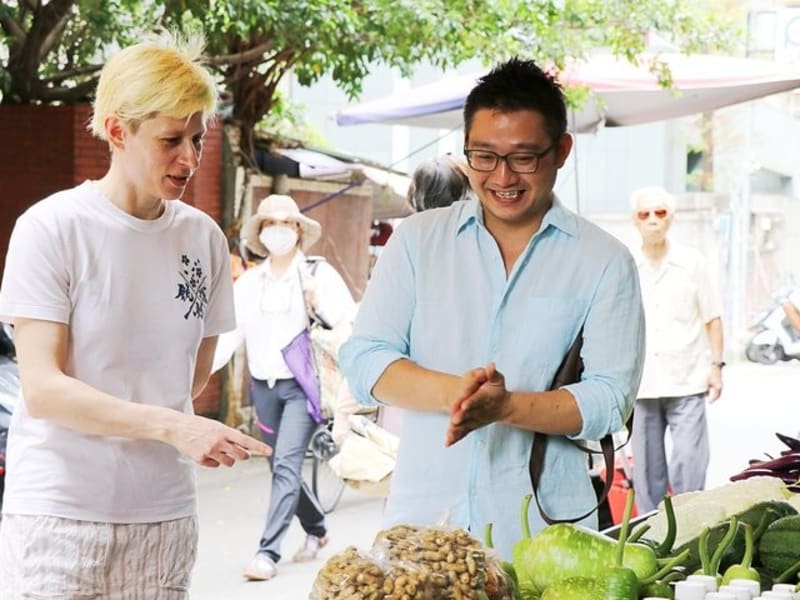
column 381, row 331
column 613, row 351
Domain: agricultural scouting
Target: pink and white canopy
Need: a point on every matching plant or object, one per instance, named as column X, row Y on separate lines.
column 628, row 94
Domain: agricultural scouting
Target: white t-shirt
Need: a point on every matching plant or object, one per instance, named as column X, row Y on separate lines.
column 680, row 298
column 138, row 296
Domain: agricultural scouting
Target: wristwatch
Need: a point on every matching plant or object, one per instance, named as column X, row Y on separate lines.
column 718, row 363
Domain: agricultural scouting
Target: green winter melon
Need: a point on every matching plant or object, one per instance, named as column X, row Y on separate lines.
column 779, row 547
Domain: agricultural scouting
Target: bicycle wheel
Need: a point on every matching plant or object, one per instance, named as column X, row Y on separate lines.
column 327, row 486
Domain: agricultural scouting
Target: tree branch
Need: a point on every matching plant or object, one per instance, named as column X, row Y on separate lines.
column 52, row 39
column 59, row 77
column 253, row 54
column 13, row 29
column 67, row 94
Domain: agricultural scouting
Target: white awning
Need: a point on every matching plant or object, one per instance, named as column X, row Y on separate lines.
column 388, row 188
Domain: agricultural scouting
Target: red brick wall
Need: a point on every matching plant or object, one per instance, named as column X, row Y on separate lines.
column 48, row 148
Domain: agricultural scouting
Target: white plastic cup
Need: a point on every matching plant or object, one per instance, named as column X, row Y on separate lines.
column 741, row 593
column 749, row 584
column 777, row 595
column 690, row 590
column 707, row 580
column 786, row 587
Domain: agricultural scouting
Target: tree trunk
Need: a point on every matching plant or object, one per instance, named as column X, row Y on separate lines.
column 27, row 53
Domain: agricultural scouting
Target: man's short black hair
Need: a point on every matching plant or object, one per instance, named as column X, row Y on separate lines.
column 519, row 85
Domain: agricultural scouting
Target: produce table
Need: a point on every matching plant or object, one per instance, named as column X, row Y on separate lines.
column 746, row 529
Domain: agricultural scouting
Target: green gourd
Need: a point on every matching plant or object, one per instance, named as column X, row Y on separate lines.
column 567, row 550
column 574, row 588
column 744, row 570
column 779, row 546
column 620, row 582
column 759, row 516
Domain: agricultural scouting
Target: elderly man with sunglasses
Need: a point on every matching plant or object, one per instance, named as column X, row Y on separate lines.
column 683, row 362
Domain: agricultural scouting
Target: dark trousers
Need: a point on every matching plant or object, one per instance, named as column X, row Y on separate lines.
column 283, row 410
column 653, row 475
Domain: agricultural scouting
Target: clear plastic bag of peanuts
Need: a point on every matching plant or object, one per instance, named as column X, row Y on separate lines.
column 350, row 575
column 421, row 563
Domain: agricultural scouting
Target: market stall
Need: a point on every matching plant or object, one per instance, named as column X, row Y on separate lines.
column 736, row 541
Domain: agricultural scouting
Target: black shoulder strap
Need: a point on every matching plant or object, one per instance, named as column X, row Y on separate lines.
column 568, row 372
column 536, row 465
column 313, row 262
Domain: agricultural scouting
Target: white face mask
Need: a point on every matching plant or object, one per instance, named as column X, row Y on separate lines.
column 278, row 239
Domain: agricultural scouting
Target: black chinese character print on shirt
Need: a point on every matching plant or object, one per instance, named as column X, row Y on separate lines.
column 193, row 289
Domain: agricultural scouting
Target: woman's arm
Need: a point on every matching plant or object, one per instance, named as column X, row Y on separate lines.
column 202, row 368
column 49, row 393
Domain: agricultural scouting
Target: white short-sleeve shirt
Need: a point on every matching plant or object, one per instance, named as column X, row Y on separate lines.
column 680, row 297
column 138, row 296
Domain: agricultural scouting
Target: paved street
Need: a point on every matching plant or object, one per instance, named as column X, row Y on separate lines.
column 233, row 506
column 757, row 402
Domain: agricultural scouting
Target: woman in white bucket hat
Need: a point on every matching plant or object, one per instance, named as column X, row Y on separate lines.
column 279, row 211
column 270, row 313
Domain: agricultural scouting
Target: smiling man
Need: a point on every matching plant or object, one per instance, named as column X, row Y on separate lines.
column 471, row 310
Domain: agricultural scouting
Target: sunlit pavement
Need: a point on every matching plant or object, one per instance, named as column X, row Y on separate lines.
column 233, row 506
column 758, row 401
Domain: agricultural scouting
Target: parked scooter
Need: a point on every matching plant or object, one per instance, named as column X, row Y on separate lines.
column 9, row 390
column 774, row 339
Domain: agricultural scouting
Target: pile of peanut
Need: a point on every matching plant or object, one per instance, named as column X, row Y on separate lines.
column 413, row 563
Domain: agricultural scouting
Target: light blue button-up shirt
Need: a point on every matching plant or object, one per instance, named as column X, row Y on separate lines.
column 440, row 297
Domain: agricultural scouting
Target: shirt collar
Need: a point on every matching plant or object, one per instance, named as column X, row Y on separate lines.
column 561, row 218
column 674, row 256
column 266, row 268
column 471, row 212
column 558, row 216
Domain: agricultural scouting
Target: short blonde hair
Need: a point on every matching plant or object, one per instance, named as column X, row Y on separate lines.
column 658, row 193
column 160, row 76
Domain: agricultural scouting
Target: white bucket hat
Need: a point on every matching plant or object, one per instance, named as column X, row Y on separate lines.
column 280, row 208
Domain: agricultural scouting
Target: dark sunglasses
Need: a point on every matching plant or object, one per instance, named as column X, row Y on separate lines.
column 660, row 213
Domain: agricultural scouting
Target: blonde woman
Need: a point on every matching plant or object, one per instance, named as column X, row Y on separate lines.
column 117, row 291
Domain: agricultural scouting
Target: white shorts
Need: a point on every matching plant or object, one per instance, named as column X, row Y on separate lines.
column 62, row 559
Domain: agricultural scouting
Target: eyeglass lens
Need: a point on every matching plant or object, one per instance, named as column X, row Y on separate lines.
column 643, row 215
column 488, row 161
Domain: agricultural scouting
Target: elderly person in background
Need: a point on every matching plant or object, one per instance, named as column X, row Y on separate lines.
column 437, row 182
column 683, row 360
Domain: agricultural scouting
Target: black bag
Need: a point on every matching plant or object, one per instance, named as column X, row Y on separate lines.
column 570, row 372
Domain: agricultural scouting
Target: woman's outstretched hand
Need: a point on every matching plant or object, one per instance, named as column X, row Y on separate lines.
column 211, row 443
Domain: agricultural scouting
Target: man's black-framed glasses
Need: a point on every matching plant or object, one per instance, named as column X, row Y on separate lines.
column 519, row 162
